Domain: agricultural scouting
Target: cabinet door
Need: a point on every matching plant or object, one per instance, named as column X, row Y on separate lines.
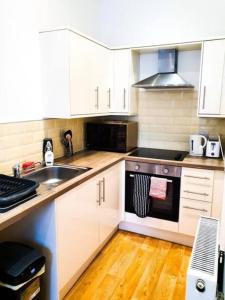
column 77, row 230
column 107, row 80
column 122, row 61
column 212, row 78
column 54, row 48
column 109, row 209
column 103, row 79
column 82, row 75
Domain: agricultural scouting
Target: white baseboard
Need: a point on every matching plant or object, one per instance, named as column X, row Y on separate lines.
column 159, row 234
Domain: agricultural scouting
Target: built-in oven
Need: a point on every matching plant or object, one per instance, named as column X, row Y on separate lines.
column 167, row 209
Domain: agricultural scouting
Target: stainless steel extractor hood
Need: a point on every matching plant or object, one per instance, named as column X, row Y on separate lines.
column 167, row 77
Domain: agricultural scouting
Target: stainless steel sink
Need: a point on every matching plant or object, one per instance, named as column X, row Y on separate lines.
column 55, row 175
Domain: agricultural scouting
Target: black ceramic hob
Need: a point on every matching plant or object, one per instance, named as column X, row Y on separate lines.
column 159, row 154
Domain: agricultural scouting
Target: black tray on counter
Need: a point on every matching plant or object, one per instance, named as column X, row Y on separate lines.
column 14, row 191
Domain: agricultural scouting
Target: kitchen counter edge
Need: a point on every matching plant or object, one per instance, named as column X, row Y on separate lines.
column 99, row 162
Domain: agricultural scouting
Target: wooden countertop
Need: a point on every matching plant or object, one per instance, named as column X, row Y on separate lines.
column 98, row 161
column 188, row 162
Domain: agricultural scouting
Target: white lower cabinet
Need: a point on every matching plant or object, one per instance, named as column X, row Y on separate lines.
column 77, row 229
column 201, row 195
column 190, row 212
column 109, row 205
column 85, row 217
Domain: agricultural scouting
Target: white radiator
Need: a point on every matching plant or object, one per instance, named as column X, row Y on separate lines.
column 202, row 272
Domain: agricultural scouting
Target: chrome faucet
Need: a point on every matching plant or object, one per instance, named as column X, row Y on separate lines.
column 16, row 170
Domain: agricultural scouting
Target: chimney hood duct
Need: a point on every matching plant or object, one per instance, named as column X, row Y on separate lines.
column 167, row 77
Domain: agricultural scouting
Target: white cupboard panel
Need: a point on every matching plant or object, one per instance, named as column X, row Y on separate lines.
column 77, row 229
column 109, row 209
column 55, row 73
column 212, row 78
column 190, row 212
column 122, row 61
column 82, row 75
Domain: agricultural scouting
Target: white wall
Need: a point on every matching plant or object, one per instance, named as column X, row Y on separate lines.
column 145, row 22
column 79, row 14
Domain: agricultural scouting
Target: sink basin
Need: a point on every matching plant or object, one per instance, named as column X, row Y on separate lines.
column 55, row 175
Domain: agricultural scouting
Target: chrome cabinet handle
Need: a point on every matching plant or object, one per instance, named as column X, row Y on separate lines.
column 196, row 193
column 199, row 209
column 99, row 193
column 124, row 98
column 199, row 177
column 103, row 188
column 204, row 92
column 109, row 103
column 97, row 98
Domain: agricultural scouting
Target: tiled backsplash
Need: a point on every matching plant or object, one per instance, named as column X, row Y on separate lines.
column 23, row 141
column 167, row 118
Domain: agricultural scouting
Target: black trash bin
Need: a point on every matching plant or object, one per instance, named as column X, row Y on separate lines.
column 20, row 269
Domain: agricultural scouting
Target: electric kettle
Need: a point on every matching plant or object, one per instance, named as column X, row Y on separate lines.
column 197, row 144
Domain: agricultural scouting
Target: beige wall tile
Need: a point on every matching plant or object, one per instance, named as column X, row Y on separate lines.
column 22, row 141
column 167, row 118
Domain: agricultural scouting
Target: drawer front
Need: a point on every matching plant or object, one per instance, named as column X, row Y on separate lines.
column 190, row 212
column 197, row 184
column 197, row 176
column 197, row 192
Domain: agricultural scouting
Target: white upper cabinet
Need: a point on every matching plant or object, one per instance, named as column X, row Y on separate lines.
column 83, row 78
column 212, row 85
column 77, row 75
column 81, row 82
column 124, row 97
column 103, row 78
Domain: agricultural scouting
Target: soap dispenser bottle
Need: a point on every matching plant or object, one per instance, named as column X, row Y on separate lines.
column 49, row 155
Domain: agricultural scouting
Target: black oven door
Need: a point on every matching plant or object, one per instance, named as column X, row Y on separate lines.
column 167, row 209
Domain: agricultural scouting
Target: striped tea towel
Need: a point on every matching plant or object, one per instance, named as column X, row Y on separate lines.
column 141, row 200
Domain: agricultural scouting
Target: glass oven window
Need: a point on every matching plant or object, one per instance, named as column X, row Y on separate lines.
column 167, row 209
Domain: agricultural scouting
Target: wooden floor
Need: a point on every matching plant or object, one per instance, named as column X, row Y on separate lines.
column 135, row 267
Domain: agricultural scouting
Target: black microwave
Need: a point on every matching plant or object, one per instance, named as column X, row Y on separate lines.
column 116, row 136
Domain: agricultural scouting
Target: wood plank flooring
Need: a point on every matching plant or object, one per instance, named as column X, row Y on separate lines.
column 136, row 267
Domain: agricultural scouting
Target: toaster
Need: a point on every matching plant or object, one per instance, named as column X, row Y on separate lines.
column 213, row 147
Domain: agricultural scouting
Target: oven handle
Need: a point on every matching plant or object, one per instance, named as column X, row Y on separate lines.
column 168, row 180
